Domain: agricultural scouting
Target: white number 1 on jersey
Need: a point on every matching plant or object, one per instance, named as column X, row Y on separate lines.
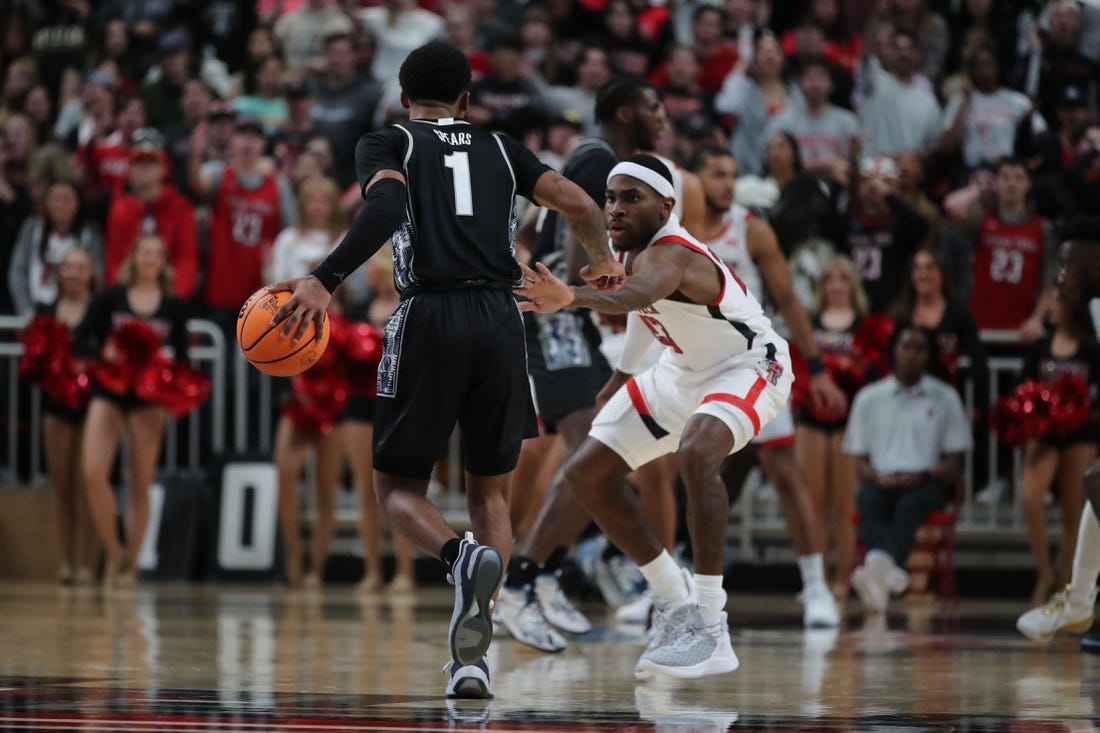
column 459, row 163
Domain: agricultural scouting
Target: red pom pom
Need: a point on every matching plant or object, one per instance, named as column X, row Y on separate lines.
column 871, row 343
column 47, row 361
column 1042, row 409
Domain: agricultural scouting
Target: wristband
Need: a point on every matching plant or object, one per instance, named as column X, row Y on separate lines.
column 816, row 365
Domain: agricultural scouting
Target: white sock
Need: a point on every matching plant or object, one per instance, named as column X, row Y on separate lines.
column 712, row 599
column 812, row 568
column 665, row 578
column 1086, row 558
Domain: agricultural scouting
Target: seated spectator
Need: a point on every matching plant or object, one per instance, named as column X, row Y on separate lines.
column 809, row 45
column 981, row 121
column 1014, row 249
column 38, row 108
column 897, row 113
column 680, row 90
column 263, row 94
column 827, row 135
column 43, row 243
column 153, row 206
column 753, row 96
column 30, row 163
column 908, row 434
column 92, row 113
column 302, row 33
column 883, row 232
column 716, row 55
column 628, row 51
column 175, row 65
column 504, row 100
column 290, row 138
column 104, row 162
column 20, row 76
column 995, row 21
column 1070, row 349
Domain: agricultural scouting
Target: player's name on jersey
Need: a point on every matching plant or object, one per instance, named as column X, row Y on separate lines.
column 454, row 138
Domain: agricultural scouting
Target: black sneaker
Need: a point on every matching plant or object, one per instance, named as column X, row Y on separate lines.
column 470, row 681
column 476, row 575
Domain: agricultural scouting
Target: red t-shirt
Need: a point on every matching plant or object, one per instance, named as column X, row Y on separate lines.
column 172, row 217
column 243, row 226
column 106, row 163
column 1008, row 267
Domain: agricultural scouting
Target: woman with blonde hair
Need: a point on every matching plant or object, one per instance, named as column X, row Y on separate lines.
column 297, row 250
column 358, row 434
column 143, row 293
column 841, row 305
column 62, row 427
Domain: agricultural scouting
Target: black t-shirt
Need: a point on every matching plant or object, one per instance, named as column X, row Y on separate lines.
column 111, row 308
column 515, row 105
column 881, row 248
column 461, row 184
column 1041, row 364
column 12, row 215
column 588, row 167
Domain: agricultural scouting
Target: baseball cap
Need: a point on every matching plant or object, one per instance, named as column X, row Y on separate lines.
column 147, row 144
column 248, row 123
column 879, row 166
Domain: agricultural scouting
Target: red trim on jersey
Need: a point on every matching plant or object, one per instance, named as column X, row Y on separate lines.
column 747, row 404
column 673, row 239
column 636, row 398
column 777, row 443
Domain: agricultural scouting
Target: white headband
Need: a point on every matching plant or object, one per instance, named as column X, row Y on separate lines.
column 659, row 183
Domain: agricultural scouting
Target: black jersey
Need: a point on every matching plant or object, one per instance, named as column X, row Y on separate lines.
column 588, row 167
column 461, row 184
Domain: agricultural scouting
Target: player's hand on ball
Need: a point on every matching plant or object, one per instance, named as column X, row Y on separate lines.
column 307, row 303
column 545, row 293
column 607, row 277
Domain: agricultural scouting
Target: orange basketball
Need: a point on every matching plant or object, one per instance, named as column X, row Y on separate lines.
column 263, row 345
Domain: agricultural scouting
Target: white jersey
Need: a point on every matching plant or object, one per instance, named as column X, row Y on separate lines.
column 701, row 337
column 732, row 246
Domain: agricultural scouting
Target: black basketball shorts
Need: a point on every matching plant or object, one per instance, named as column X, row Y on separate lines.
column 567, row 367
column 454, row 357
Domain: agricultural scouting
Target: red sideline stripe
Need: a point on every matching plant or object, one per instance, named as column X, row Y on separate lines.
column 777, row 442
column 636, row 398
column 746, row 404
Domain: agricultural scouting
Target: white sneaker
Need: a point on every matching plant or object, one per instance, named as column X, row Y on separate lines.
column 1065, row 612
column 556, row 606
column 468, row 681
column 636, row 612
column 873, row 595
column 819, row 607
column 521, row 615
column 696, row 651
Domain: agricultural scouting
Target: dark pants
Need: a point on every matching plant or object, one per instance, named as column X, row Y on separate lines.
column 889, row 520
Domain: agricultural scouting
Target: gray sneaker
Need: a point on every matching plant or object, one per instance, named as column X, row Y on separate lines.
column 695, row 651
column 476, row 575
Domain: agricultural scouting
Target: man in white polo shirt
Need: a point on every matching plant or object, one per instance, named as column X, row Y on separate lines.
column 908, row 433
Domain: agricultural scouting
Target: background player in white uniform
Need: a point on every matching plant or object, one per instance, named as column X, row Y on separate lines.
column 724, row 373
column 748, row 245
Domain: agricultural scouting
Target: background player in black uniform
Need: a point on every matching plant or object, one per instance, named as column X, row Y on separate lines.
column 565, row 362
column 454, row 349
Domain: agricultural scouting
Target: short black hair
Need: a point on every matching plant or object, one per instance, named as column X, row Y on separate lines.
column 1011, row 161
column 814, row 62
column 930, row 339
column 619, row 92
column 654, row 164
column 435, row 72
column 705, row 153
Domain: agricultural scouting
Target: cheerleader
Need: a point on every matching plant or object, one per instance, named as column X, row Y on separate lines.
column 1070, row 349
column 143, row 294
column 841, row 304
column 358, row 435
column 295, row 253
column 62, row 426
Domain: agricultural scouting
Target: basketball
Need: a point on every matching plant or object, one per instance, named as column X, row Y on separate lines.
column 263, row 344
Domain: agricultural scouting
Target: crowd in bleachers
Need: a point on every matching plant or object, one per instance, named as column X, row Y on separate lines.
column 945, row 146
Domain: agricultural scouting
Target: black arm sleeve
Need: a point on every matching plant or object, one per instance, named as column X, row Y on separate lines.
column 373, row 226
column 379, row 151
column 526, row 167
column 90, row 333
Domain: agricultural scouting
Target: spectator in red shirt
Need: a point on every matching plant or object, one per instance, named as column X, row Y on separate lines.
column 717, row 56
column 105, row 161
column 153, row 207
